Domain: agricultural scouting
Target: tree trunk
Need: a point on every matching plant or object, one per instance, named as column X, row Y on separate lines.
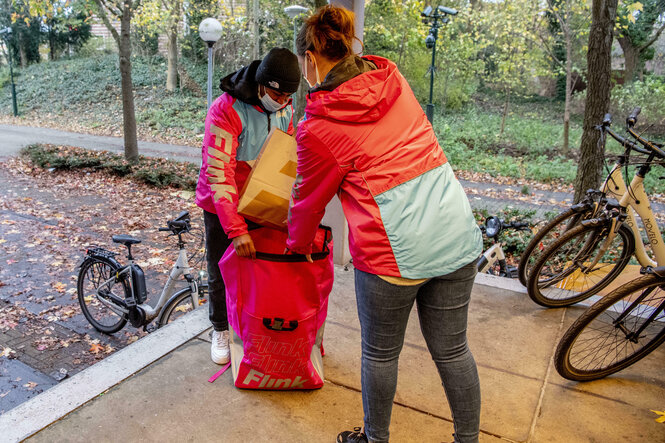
column 505, row 112
column 172, row 53
column 631, row 56
column 599, row 68
column 566, row 107
column 51, row 43
column 256, row 38
column 128, row 116
column 23, row 54
column 301, row 100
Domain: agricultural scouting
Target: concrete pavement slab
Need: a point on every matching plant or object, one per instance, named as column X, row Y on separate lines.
column 171, row 400
column 570, row 415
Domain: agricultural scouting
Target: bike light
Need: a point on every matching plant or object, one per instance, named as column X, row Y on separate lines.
column 492, row 226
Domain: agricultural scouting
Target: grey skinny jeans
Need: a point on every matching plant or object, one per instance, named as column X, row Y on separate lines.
column 383, row 310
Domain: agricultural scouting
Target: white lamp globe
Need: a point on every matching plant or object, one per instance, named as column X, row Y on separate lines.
column 294, row 11
column 210, row 30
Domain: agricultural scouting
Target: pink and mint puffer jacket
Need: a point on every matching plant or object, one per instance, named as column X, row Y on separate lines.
column 235, row 129
column 367, row 139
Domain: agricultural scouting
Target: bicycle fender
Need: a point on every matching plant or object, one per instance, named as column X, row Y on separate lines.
column 93, row 257
column 160, row 317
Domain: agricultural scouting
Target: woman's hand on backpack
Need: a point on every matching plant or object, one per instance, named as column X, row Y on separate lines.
column 244, row 246
column 307, row 256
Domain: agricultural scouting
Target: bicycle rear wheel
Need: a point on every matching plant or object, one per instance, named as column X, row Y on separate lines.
column 95, row 307
column 563, row 274
column 180, row 304
column 615, row 332
column 545, row 236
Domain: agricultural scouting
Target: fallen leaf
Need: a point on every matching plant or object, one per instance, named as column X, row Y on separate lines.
column 6, row 352
column 96, row 348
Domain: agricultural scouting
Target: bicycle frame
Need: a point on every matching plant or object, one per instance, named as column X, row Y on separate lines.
column 615, row 186
column 491, row 256
column 180, row 269
column 637, row 198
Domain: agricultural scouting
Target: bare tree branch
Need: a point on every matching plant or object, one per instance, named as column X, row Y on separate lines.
column 652, row 40
column 111, row 7
column 105, row 18
column 550, row 52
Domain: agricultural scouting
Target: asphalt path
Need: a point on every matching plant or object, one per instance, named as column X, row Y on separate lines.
column 13, row 138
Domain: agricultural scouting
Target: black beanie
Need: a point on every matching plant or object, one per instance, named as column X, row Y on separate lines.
column 279, row 70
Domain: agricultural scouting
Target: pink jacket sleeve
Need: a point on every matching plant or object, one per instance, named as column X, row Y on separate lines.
column 220, row 143
column 290, row 129
column 317, row 181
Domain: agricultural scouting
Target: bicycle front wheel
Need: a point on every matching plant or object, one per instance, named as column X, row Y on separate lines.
column 576, row 266
column 96, row 305
column 180, row 304
column 545, row 236
column 615, row 332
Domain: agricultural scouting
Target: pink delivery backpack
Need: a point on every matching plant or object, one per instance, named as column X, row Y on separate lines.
column 277, row 306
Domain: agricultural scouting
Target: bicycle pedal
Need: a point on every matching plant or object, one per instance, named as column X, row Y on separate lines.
column 511, row 271
column 150, row 328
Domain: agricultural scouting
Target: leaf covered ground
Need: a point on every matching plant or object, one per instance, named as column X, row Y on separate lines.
column 47, row 220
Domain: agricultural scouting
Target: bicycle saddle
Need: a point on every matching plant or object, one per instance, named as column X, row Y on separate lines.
column 125, row 239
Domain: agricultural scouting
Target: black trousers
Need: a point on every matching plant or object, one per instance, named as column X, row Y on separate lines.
column 216, row 244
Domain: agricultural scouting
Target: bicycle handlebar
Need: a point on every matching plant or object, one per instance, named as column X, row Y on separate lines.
column 652, row 148
column 517, row 225
column 179, row 225
column 607, row 120
column 605, row 127
column 632, row 118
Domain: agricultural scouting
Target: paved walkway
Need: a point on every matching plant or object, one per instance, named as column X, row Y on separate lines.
column 13, row 138
column 157, row 390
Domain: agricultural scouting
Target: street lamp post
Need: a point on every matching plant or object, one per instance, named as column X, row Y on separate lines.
column 5, row 33
column 435, row 21
column 210, row 30
column 293, row 12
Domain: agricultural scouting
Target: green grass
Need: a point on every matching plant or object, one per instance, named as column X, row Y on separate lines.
column 89, row 90
column 530, row 146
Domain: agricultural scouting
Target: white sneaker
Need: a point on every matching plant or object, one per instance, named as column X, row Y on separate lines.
column 219, row 351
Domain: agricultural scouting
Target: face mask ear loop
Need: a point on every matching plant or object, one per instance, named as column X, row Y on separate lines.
column 318, row 78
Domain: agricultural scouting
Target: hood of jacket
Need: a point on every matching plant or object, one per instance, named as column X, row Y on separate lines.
column 242, row 84
column 357, row 90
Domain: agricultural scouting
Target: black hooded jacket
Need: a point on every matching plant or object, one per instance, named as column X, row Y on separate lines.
column 242, row 84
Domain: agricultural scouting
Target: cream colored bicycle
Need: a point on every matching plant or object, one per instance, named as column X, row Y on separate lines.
column 589, row 256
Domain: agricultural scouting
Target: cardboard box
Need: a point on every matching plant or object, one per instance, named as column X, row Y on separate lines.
column 265, row 197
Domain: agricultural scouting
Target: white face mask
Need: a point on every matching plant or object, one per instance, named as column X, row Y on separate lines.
column 318, row 80
column 269, row 103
